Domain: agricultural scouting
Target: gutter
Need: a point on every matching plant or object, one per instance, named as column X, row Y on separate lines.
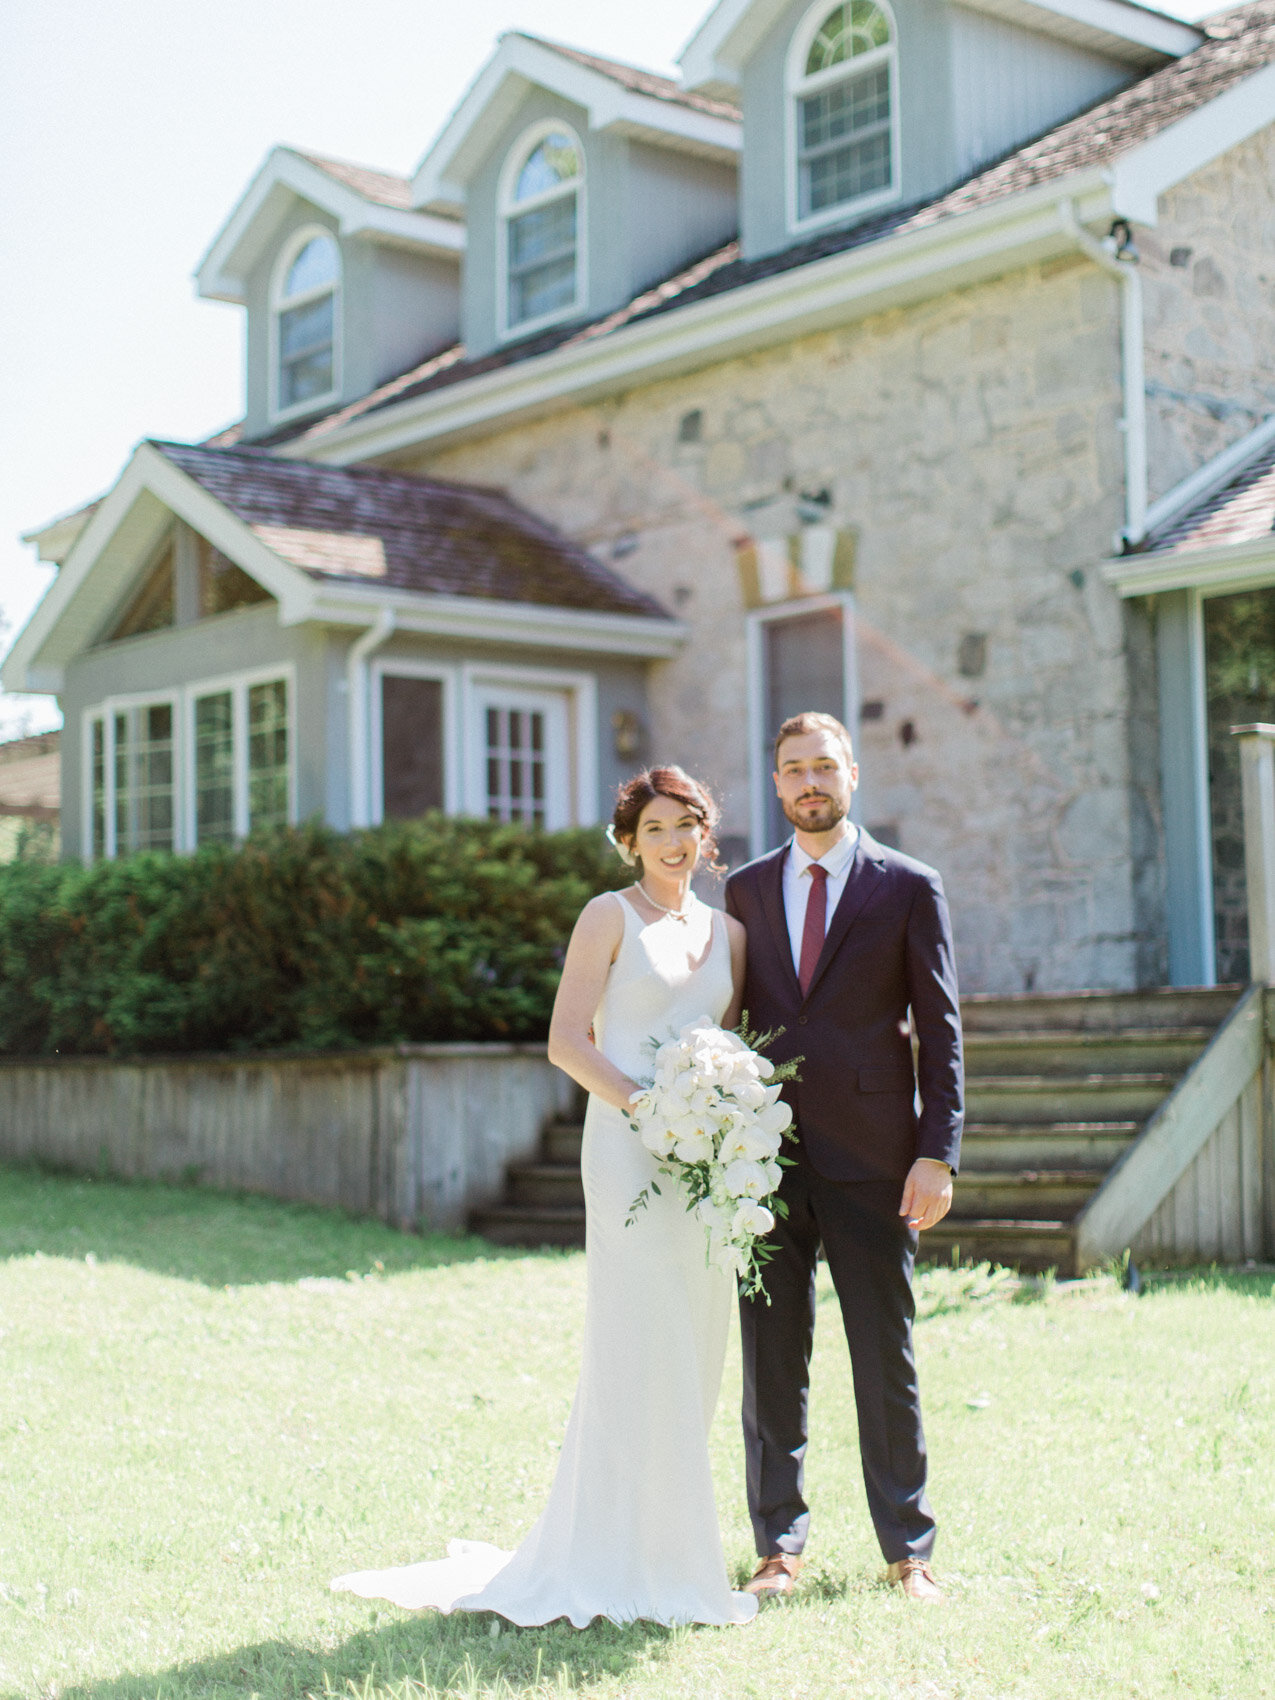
column 1133, row 372
column 359, row 696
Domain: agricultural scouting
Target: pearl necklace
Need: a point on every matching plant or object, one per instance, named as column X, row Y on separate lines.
column 677, row 914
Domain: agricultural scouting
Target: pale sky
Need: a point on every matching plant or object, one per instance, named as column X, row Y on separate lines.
column 128, row 130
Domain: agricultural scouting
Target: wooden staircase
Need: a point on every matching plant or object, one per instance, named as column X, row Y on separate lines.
column 1058, row 1087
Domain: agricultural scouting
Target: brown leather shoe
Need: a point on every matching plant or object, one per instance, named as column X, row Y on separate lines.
column 774, row 1575
column 916, row 1579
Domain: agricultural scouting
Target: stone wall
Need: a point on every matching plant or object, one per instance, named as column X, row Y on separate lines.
column 969, row 451
column 1208, row 272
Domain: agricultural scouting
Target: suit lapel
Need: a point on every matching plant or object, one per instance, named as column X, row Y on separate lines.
column 863, row 880
column 771, row 881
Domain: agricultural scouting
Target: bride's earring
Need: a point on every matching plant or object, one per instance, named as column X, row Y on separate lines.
column 621, row 849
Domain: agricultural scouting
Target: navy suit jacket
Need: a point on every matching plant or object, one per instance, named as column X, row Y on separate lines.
column 888, row 950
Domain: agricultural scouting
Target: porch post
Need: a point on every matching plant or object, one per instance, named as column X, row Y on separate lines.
column 1257, row 771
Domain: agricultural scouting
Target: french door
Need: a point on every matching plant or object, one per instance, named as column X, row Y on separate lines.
column 519, row 755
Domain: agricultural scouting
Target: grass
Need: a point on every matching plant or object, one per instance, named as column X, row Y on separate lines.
column 209, row 1406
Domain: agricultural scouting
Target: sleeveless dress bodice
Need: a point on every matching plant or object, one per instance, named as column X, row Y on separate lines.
column 630, row 1528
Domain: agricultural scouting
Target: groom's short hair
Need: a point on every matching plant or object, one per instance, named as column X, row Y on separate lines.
column 797, row 725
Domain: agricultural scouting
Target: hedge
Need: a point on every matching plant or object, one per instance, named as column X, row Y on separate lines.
column 298, row 939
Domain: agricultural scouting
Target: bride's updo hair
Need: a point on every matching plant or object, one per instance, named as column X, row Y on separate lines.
column 633, row 796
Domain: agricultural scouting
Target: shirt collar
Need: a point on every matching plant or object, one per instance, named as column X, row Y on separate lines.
column 834, row 862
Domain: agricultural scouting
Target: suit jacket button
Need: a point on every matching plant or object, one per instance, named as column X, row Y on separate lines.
column 801, row 1021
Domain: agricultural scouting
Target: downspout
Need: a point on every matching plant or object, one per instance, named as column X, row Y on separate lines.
column 1133, row 370
column 356, row 686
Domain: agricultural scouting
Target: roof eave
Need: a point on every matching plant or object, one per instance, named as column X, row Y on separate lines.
column 222, row 273
column 1223, row 567
column 519, row 63
column 713, row 59
column 648, row 636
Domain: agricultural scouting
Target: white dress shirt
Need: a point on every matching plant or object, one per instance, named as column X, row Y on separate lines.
column 797, row 882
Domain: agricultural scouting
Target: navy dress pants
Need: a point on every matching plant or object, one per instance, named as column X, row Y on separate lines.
column 870, row 1250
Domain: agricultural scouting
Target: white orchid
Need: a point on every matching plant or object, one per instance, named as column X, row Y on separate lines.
column 751, row 1220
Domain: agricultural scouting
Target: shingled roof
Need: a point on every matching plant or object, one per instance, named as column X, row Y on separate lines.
column 358, row 524
column 383, row 187
column 1243, row 511
column 639, row 81
column 1239, row 42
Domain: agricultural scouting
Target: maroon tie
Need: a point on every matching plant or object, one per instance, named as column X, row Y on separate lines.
column 812, row 934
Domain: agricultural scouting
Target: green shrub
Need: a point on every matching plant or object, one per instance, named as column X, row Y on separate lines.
column 305, row 938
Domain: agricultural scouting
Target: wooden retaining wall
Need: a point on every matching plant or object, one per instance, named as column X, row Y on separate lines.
column 415, row 1134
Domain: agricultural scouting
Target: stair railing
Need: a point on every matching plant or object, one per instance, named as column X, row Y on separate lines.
column 1233, row 1076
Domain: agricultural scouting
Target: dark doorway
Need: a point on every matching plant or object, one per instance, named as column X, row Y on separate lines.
column 411, row 745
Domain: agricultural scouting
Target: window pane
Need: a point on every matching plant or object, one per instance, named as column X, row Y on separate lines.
column 542, row 260
column 846, row 32
column 268, row 755
column 144, row 800
column 805, row 669
column 411, row 746
column 214, row 770
column 155, row 777
column 223, row 586
column 151, row 608
column 1239, row 674
column 845, row 108
column 97, row 821
column 516, row 781
column 305, row 351
column 554, row 161
column 314, row 266
column 123, row 791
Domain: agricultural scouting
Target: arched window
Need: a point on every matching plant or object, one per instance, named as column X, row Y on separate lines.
column 543, row 195
column 305, row 306
column 841, row 78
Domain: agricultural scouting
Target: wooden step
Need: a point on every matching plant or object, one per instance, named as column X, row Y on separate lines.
column 1030, row 1246
column 549, row 1184
column 529, row 1225
column 561, row 1142
column 1142, row 1050
column 1023, row 1194
column 1170, row 1007
column 1044, row 1145
column 1045, row 1098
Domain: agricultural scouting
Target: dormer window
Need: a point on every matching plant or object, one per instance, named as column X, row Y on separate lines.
column 542, row 208
column 305, row 321
column 844, row 107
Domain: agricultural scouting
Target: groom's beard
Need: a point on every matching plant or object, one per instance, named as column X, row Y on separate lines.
column 813, row 820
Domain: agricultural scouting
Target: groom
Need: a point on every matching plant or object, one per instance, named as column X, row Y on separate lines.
column 845, row 937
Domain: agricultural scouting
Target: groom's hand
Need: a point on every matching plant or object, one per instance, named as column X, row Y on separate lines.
column 927, row 1193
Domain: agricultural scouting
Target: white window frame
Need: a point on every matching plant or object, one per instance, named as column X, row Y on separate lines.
column 105, row 711
column 453, row 744
column 182, row 701
column 759, row 733
column 508, row 209
column 798, row 85
column 238, row 685
column 279, row 304
column 580, row 691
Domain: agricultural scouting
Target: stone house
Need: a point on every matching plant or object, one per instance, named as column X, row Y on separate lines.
column 910, row 359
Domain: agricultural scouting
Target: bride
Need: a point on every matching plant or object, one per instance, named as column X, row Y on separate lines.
column 630, row 1529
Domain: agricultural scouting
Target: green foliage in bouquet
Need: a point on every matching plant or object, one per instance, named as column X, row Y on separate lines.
column 302, row 938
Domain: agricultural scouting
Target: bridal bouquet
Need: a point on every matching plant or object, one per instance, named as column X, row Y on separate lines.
column 713, row 1117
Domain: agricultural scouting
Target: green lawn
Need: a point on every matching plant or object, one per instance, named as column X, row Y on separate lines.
column 210, row 1406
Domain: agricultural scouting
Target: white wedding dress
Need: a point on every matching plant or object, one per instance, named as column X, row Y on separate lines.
column 630, row 1529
